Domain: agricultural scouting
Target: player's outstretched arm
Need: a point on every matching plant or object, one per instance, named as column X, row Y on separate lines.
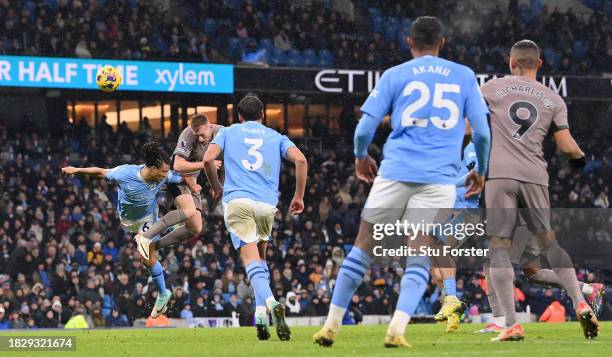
column 301, row 173
column 569, row 148
column 89, row 171
column 210, row 167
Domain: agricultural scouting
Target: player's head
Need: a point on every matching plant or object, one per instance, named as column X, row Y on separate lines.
column 426, row 34
column 156, row 160
column 525, row 56
column 250, row 108
column 201, row 127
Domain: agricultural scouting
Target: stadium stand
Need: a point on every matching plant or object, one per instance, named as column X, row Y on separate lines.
column 224, row 31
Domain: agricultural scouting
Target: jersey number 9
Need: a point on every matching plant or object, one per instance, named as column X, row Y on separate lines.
column 524, row 114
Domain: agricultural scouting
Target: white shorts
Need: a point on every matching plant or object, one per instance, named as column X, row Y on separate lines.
column 140, row 225
column 248, row 221
column 390, row 201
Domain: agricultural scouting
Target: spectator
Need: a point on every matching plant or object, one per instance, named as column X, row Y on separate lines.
column 98, row 319
column 200, row 307
column 186, row 313
column 5, row 323
column 81, row 50
column 246, row 312
column 116, row 320
column 241, row 31
column 49, row 321
column 281, row 41
column 602, row 200
column 89, row 293
column 293, row 303
column 232, row 305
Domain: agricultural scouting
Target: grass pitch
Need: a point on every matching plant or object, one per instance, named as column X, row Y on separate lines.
column 427, row 340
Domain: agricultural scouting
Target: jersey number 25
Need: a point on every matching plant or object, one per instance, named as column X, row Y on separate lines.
column 438, row 102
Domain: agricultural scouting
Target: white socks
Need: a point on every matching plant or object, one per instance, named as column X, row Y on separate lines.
column 399, row 322
column 269, row 301
column 261, row 310
column 334, row 317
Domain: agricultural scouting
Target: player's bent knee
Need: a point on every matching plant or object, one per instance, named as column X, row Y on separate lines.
column 151, row 262
column 364, row 239
column 190, row 212
column 195, row 227
column 249, row 253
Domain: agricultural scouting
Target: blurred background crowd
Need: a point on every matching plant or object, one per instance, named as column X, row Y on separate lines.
column 63, row 252
column 359, row 33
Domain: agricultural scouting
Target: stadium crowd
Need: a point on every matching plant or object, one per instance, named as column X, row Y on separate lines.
column 63, row 252
column 307, row 33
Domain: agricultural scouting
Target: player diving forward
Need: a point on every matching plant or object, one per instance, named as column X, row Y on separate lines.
column 522, row 112
column 252, row 153
column 186, row 160
column 428, row 97
column 137, row 202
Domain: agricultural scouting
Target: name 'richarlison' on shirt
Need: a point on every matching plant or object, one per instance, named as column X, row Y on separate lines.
column 534, row 92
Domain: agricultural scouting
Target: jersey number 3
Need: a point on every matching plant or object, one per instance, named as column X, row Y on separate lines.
column 255, row 144
column 438, row 102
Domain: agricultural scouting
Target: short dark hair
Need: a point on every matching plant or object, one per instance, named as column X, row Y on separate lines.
column 154, row 155
column 250, row 108
column 426, row 31
column 198, row 120
column 527, row 53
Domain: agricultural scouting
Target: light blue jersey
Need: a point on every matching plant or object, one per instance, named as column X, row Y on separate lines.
column 137, row 198
column 468, row 163
column 252, row 157
column 428, row 98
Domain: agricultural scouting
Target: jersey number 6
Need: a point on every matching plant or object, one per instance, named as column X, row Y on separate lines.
column 438, row 102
